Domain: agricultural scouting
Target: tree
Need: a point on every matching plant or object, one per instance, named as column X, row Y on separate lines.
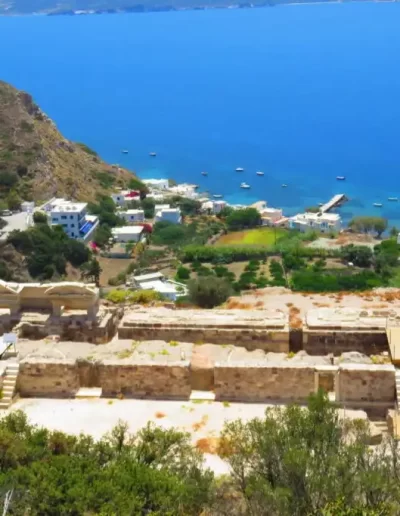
column 394, row 232
column 359, row 255
column 76, row 252
column 301, row 462
column 148, row 205
column 209, row 291
column 244, row 218
column 189, row 206
column 182, row 273
column 102, row 235
column 225, row 212
column 368, row 224
column 91, row 270
column 153, row 472
column 39, row 217
column 8, row 179
column 13, row 201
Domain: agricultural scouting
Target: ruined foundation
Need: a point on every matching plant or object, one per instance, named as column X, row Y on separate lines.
column 260, row 329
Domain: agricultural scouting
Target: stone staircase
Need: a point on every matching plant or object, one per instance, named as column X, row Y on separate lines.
column 9, row 385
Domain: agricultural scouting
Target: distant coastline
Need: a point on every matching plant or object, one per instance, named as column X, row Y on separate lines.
column 141, row 8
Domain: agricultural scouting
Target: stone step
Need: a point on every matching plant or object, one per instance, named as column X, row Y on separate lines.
column 8, row 381
column 202, row 396
column 89, row 392
column 4, row 405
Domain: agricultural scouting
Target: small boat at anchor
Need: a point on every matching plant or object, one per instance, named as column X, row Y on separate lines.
column 239, row 169
column 259, row 173
column 153, row 154
column 204, row 173
column 217, row 196
column 284, row 186
column 340, row 178
column 124, row 151
column 244, row 185
column 393, row 199
column 378, row 204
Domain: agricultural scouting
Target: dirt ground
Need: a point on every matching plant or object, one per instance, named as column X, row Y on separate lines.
column 202, row 420
column 111, row 267
column 344, row 239
column 282, row 298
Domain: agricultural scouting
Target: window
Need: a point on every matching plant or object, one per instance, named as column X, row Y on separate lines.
column 72, row 225
column 55, row 219
column 63, row 217
column 71, row 216
column 73, row 234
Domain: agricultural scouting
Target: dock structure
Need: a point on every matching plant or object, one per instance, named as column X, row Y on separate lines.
column 332, row 203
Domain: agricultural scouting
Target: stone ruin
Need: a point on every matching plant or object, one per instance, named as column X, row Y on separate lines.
column 70, row 310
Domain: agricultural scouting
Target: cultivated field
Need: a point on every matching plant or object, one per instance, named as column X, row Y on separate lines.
column 259, row 236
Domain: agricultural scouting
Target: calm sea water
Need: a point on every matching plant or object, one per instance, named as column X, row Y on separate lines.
column 304, row 93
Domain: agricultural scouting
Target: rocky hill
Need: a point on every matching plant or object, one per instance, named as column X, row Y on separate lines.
column 37, row 162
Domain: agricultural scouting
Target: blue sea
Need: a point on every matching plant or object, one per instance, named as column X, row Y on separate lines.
column 301, row 92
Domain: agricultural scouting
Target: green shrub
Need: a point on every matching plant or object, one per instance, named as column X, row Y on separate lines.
column 138, row 296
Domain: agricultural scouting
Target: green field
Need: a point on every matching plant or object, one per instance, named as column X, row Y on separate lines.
column 260, row 236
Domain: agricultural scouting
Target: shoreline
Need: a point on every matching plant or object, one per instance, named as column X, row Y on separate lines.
column 140, row 9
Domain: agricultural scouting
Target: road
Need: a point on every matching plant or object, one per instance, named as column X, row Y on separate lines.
column 15, row 221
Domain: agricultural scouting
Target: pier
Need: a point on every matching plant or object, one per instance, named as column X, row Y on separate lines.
column 336, row 200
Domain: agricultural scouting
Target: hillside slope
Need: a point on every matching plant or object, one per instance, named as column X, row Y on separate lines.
column 38, row 162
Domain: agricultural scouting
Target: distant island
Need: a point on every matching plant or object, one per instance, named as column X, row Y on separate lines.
column 85, row 7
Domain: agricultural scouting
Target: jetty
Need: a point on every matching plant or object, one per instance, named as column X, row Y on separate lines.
column 336, row 200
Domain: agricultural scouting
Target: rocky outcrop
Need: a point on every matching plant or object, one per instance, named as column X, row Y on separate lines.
column 38, row 162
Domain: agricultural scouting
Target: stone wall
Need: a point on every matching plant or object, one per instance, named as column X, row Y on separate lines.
column 63, row 378
column 251, row 383
column 365, row 383
column 322, row 342
column 145, row 380
column 48, row 378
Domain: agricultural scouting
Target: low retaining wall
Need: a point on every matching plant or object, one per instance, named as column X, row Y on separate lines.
column 63, row 378
column 322, row 342
column 145, row 380
column 48, row 378
column 365, row 383
column 353, row 384
column 263, row 383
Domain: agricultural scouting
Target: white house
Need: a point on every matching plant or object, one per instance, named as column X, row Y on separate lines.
column 271, row 216
column 323, row 222
column 27, row 206
column 132, row 216
column 214, row 207
column 159, row 184
column 73, row 217
column 156, row 281
column 168, row 215
column 124, row 196
column 127, row 233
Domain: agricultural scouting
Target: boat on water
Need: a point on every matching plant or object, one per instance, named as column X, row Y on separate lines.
column 284, row 186
column 320, row 204
column 153, row 154
column 393, row 199
column 244, row 185
column 239, row 169
column 217, row 196
column 378, row 204
column 204, row 173
column 259, row 173
column 340, row 178
column 124, row 151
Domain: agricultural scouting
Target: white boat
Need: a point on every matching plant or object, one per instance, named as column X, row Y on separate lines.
column 320, row 204
column 378, row 204
column 284, row 186
column 124, row 151
column 204, row 173
column 259, row 173
column 393, row 199
column 152, row 154
column 244, row 185
column 217, row 196
column 340, row 178
column 239, row 169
